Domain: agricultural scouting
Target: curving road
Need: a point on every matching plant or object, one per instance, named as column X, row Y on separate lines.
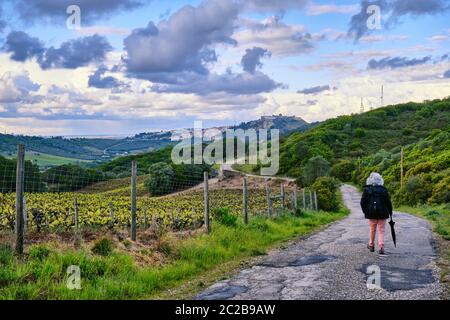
column 333, row 264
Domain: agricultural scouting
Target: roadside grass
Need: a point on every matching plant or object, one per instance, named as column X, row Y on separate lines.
column 114, row 274
column 439, row 218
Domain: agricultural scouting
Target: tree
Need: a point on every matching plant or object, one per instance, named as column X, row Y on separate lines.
column 327, row 198
column 343, row 170
column 161, row 179
column 316, row 167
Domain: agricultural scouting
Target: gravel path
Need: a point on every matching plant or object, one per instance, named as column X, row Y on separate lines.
column 333, row 264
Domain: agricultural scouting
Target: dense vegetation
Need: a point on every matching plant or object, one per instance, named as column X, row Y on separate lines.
column 350, row 147
column 426, row 170
column 355, row 136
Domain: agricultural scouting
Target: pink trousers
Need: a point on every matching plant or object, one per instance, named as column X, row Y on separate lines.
column 381, row 226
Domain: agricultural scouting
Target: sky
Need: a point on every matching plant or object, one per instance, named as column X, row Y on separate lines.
column 123, row 67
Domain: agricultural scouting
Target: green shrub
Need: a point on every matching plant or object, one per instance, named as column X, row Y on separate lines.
column 343, row 170
column 360, row 133
column 315, row 168
column 39, row 252
column 441, row 191
column 103, row 247
column 417, row 190
column 223, row 216
column 161, row 179
column 327, row 197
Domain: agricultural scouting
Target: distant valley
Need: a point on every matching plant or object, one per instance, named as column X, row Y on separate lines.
column 52, row 151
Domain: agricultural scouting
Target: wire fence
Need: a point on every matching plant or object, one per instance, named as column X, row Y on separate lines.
column 68, row 198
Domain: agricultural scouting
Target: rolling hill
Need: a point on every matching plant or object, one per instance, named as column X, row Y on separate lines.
column 360, row 135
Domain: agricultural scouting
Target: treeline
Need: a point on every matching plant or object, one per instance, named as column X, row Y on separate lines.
column 63, row 178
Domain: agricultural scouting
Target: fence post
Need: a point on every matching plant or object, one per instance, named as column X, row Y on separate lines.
column 282, row 196
column 245, row 204
column 133, row 199
column 310, row 200
column 269, row 201
column 206, row 199
column 20, row 186
column 295, row 200
column 315, row 200
column 75, row 213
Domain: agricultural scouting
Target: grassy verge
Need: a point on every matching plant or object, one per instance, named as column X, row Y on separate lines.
column 115, row 274
column 439, row 217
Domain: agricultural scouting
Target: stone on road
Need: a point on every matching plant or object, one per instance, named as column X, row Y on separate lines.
column 335, row 264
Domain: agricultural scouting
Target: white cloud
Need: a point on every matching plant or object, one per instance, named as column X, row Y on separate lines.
column 440, row 37
column 274, row 35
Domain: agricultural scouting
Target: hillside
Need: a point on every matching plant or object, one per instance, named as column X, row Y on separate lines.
column 426, row 168
column 356, row 136
column 285, row 124
column 73, row 149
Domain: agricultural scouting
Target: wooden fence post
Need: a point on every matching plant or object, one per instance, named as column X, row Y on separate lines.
column 315, row 201
column 206, row 199
column 282, row 197
column 133, row 199
column 310, row 200
column 245, row 204
column 75, row 213
column 20, row 188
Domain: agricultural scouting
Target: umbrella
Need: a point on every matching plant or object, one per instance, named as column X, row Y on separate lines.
column 394, row 238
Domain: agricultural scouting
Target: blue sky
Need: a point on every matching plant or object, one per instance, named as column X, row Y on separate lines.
column 220, row 61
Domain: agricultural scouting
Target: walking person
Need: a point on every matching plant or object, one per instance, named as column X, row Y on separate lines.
column 377, row 207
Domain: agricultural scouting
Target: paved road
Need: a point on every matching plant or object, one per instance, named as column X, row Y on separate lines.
column 332, row 264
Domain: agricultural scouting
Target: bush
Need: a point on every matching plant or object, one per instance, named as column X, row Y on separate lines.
column 224, row 217
column 103, row 247
column 327, row 197
column 360, row 133
column 161, row 179
column 441, row 191
column 417, row 190
column 315, row 168
column 343, row 170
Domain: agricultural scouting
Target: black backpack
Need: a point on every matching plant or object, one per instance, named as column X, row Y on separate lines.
column 376, row 205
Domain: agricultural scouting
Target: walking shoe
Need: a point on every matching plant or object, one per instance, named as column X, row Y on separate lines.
column 381, row 251
column 371, row 248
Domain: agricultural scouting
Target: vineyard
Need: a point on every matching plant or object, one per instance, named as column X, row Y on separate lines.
column 56, row 210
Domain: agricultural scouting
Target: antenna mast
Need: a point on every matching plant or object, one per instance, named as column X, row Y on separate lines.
column 382, row 95
column 362, row 105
